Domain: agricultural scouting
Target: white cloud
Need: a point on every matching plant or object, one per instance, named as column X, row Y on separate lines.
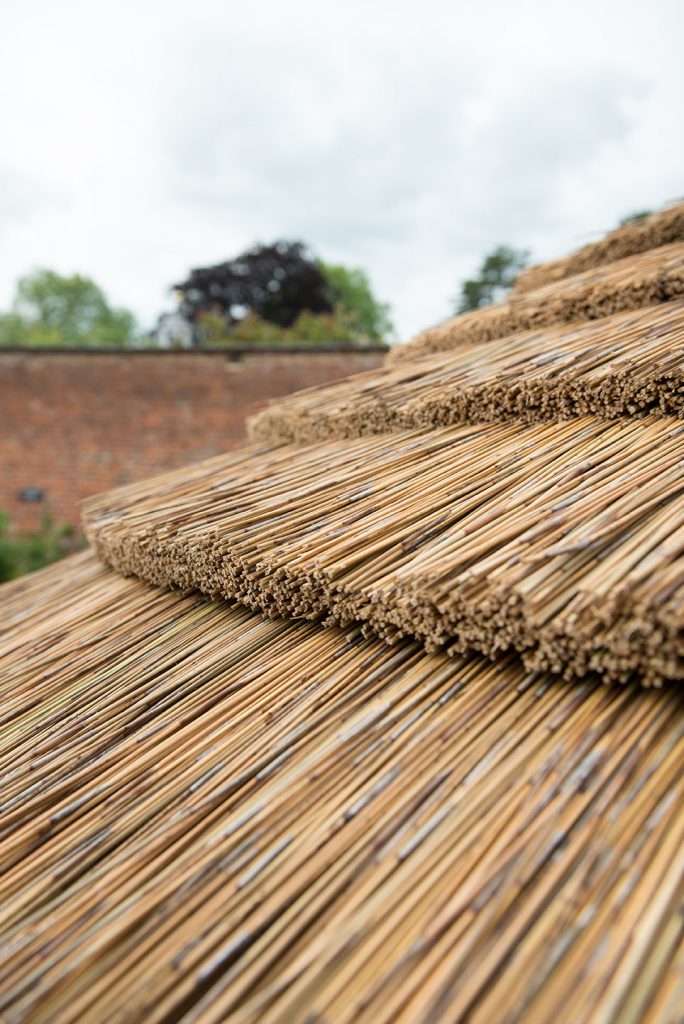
column 140, row 139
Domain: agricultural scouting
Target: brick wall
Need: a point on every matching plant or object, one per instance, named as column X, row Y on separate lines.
column 73, row 423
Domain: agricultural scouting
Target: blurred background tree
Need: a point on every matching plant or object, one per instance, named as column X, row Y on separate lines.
column 308, row 329
column 52, row 310
column 22, row 554
column 349, row 290
column 281, row 294
column 277, row 282
column 637, row 215
column 496, row 275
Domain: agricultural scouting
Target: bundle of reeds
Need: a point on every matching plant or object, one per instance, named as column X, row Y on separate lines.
column 211, row 815
column 632, row 283
column 207, row 816
column 636, row 236
column 622, row 365
column 562, row 541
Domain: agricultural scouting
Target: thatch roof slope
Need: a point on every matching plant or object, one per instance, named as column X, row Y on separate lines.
column 636, row 236
column 632, row 283
column 563, row 541
column 207, row 815
column 626, row 364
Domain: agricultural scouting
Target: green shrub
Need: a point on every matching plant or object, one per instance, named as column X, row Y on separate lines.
column 308, row 329
column 19, row 555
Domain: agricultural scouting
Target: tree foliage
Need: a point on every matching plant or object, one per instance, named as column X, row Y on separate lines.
column 349, row 290
column 277, row 282
column 51, row 310
column 281, row 294
column 637, row 215
column 19, row 555
column 496, row 275
column 253, row 331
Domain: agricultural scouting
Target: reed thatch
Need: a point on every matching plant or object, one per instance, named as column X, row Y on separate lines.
column 623, row 365
column 210, row 816
column 659, row 228
column 632, row 283
column 563, row 541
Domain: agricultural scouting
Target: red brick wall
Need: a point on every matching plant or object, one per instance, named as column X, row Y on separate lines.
column 75, row 423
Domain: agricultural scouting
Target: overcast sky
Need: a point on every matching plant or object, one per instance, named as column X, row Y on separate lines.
column 140, row 139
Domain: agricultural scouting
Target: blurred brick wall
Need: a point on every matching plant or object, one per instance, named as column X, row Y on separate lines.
column 75, row 423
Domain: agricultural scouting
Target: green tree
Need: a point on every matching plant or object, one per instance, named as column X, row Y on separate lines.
column 277, row 282
column 19, row 555
column 52, row 310
column 282, row 294
column 350, row 291
column 496, row 275
column 252, row 331
column 638, row 215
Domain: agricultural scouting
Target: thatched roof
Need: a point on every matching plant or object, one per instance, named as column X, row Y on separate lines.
column 623, row 365
column 560, row 541
column 631, row 283
column 213, row 814
column 631, row 238
column 208, row 815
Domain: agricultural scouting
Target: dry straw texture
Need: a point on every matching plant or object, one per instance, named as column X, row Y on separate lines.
column 626, row 364
column 563, row 541
column 632, row 283
column 207, row 816
column 660, row 228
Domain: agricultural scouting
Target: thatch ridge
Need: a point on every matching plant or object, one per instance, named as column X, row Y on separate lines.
column 660, row 228
column 207, row 815
column 632, row 283
column 624, row 365
column 562, row 541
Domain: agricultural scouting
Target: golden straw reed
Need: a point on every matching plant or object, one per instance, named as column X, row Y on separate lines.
column 564, row 541
column 632, row 283
column 207, row 816
column 211, row 815
column 626, row 364
column 660, row 228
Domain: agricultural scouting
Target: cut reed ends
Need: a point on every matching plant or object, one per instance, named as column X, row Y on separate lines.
column 565, row 542
column 208, row 816
column 632, row 283
column 658, row 229
column 626, row 364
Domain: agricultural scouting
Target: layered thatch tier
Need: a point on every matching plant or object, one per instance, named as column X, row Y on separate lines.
column 660, row 228
column 632, row 283
column 563, row 541
column 208, row 816
column 622, row 365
